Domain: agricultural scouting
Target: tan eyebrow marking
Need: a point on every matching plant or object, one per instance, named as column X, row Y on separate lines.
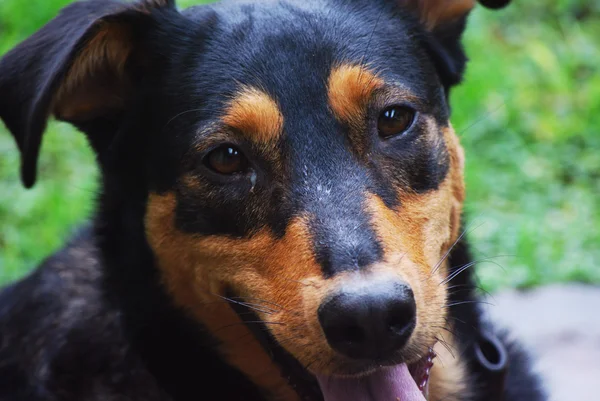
column 349, row 90
column 255, row 114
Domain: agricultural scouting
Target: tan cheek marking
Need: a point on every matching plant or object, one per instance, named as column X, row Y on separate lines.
column 193, row 275
column 349, row 90
column 255, row 114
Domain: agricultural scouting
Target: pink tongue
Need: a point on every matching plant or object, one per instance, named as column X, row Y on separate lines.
column 393, row 384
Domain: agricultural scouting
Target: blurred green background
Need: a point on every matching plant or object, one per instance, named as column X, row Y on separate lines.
column 528, row 115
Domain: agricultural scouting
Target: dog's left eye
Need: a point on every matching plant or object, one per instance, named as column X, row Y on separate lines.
column 226, row 160
column 395, row 120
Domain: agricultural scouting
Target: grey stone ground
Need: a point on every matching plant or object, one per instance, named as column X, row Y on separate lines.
column 560, row 325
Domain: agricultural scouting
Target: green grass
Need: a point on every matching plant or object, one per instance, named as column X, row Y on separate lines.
column 527, row 115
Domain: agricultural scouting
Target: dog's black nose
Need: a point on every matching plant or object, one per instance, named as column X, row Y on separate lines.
column 369, row 322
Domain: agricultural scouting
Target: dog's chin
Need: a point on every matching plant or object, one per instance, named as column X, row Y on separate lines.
column 383, row 382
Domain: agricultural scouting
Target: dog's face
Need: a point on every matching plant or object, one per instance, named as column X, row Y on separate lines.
column 301, row 179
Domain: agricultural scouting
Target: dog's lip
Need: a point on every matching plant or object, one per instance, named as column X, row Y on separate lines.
column 420, row 371
column 361, row 368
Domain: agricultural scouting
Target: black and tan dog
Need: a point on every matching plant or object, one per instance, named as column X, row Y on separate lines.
column 280, row 208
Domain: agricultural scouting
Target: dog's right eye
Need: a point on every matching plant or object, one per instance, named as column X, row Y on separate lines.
column 226, row 160
column 395, row 120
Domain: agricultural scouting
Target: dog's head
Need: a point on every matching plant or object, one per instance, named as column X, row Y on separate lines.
column 295, row 159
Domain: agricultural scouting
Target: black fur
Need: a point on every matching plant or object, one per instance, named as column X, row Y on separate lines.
column 93, row 322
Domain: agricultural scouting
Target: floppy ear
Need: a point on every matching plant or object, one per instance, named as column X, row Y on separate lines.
column 78, row 68
column 445, row 21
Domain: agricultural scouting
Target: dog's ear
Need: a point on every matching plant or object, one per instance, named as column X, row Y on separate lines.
column 437, row 13
column 78, row 67
column 445, row 21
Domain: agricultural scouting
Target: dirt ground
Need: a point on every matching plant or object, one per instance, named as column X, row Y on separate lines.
column 560, row 326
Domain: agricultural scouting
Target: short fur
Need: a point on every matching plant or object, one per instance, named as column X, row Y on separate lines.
column 193, row 285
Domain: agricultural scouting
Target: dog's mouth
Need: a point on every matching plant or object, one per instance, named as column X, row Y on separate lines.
column 397, row 383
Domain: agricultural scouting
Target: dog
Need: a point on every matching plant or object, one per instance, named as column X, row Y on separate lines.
column 280, row 208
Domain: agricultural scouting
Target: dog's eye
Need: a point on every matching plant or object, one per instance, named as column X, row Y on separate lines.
column 227, row 160
column 395, row 120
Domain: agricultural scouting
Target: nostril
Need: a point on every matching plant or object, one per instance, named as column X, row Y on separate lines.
column 397, row 327
column 402, row 317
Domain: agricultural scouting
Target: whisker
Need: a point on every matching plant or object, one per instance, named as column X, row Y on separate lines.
column 250, row 322
column 498, row 264
column 295, row 281
column 179, row 115
column 466, row 287
column 446, row 329
column 267, row 311
column 259, row 304
column 483, row 117
column 366, row 53
column 447, row 346
column 457, row 272
column 468, row 265
column 454, row 318
column 260, row 300
column 467, row 302
column 460, row 237
column 470, row 325
column 249, row 305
